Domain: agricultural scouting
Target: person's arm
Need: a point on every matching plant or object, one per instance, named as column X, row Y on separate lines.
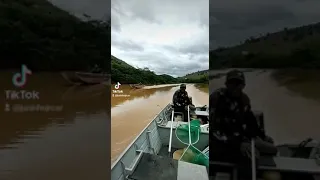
column 253, row 128
column 214, row 120
column 175, row 98
column 188, row 99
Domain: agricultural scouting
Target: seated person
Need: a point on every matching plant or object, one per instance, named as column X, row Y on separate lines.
column 233, row 124
column 181, row 101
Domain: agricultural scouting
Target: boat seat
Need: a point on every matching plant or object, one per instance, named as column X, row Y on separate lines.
column 288, row 164
column 282, row 164
column 158, row 168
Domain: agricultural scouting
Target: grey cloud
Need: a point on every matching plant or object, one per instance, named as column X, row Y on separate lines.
column 115, row 23
column 178, row 70
column 125, row 45
column 148, row 10
column 162, row 59
column 164, row 64
column 192, row 49
column 248, row 18
column 97, row 9
column 232, row 22
column 145, row 12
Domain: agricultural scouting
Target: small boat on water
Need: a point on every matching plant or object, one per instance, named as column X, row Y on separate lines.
column 155, row 153
column 137, row 86
column 85, row 78
column 150, row 155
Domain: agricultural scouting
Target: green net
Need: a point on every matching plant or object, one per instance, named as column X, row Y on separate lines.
column 182, row 132
column 195, row 156
column 191, row 154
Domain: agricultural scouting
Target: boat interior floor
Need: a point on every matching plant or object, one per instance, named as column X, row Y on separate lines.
column 164, row 151
column 158, row 168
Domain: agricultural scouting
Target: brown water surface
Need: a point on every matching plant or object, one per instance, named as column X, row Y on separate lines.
column 71, row 142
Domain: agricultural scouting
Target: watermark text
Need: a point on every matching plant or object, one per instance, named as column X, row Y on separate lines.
column 32, row 108
column 21, row 94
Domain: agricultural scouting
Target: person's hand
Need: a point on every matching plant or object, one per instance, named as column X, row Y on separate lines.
column 268, row 139
column 246, row 150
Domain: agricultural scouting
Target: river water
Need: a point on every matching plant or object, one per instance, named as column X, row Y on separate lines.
column 131, row 113
column 73, row 143
column 70, row 140
column 292, row 109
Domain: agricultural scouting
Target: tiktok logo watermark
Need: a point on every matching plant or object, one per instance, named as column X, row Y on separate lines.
column 20, row 79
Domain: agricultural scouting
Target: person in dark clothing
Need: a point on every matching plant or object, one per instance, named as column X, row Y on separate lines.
column 232, row 122
column 181, row 100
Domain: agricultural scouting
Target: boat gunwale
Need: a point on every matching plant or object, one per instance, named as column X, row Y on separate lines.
column 165, row 127
column 137, row 137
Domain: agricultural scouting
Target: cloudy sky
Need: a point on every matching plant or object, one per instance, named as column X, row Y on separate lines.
column 168, row 37
column 232, row 21
column 97, row 9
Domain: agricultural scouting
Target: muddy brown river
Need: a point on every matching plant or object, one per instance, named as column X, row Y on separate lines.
column 68, row 137
column 292, row 110
column 64, row 133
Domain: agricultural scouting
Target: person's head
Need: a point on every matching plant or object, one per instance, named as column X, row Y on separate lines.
column 235, row 82
column 183, row 87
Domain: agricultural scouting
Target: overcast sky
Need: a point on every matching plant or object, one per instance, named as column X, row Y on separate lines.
column 168, row 37
column 232, row 21
column 97, row 9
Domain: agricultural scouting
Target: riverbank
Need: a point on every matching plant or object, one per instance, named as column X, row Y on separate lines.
column 160, row 86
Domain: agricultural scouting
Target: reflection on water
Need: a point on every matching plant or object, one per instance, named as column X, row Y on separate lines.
column 131, row 114
column 292, row 111
column 68, row 144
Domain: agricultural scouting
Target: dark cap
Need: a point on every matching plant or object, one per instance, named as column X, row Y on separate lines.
column 183, row 86
column 235, row 74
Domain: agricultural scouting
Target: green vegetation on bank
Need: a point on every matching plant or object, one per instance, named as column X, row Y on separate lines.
column 296, row 47
column 196, row 77
column 126, row 74
column 46, row 38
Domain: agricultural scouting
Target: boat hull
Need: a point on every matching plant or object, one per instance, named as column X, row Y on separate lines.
column 154, row 139
column 77, row 78
column 136, row 86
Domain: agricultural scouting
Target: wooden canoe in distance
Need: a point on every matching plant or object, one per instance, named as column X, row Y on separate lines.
column 137, row 86
column 85, row 78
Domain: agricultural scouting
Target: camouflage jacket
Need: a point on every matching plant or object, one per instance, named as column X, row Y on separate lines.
column 232, row 118
column 181, row 98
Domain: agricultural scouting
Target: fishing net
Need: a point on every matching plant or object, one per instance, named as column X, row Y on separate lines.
column 182, row 132
column 190, row 153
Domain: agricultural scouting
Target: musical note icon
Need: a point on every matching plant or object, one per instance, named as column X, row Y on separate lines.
column 20, row 79
column 117, row 86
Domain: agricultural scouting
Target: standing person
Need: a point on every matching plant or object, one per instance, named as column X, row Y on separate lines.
column 181, row 100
